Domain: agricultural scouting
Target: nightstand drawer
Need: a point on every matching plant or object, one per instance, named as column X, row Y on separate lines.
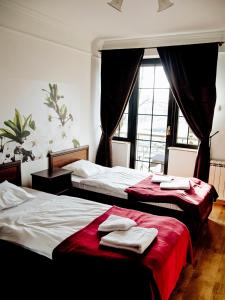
column 56, row 182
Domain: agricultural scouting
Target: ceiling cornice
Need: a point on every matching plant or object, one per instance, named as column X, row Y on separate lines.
column 165, row 40
column 16, row 9
column 13, row 5
column 18, row 18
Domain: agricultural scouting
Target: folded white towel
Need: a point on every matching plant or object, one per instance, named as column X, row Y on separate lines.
column 136, row 239
column 176, row 184
column 114, row 222
column 161, row 178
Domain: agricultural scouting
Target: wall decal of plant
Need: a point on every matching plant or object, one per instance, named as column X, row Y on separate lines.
column 17, row 129
column 75, row 143
column 52, row 101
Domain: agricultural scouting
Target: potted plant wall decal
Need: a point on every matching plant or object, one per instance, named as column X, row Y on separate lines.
column 17, row 130
column 52, row 100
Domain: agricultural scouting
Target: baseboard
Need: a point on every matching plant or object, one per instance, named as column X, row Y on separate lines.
column 220, row 202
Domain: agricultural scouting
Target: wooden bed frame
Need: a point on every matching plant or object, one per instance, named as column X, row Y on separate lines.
column 11, row 172
column 20, row 267
column 28, row 273
column 61, row 158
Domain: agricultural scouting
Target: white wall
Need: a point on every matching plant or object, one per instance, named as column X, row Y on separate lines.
column 218, row 142
column 27, row 65
column 95, row 127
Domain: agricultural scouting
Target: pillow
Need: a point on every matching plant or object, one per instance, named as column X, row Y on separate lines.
column 84, row 168
column 12, row 195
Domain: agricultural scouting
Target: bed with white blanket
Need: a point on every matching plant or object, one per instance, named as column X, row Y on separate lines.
column 106, row 185
column 110, row 186
column 36, row 227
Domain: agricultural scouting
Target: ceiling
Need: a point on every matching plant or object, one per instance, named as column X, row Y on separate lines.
column 80, row 23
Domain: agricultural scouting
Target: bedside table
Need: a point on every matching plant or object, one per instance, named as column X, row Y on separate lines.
column 58, row 181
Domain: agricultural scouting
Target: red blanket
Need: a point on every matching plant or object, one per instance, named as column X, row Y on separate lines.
column 164, row 259
column 198, row 199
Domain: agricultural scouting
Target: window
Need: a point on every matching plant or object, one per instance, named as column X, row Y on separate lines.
column 122, row 129
column 152, row 120
column 152, row 111
column 185, row 135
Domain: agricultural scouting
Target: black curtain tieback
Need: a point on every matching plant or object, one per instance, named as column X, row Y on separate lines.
column 205, row 140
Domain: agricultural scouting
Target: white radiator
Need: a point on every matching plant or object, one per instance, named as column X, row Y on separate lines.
column 217, row 177
column 120, row 153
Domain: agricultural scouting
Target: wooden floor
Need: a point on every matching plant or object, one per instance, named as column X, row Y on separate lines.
column 205, row 280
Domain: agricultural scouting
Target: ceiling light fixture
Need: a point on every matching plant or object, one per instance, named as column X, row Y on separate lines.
column 163, row 4
column 116, row 4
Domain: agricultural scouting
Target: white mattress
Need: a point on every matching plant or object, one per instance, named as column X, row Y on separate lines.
column 42, row 223
column 114, row 181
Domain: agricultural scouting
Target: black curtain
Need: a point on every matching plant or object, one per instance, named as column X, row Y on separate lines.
column 119, row 70
column 191, row 71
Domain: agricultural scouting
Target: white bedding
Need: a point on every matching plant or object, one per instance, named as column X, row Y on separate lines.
column 42, row 223
column 114, row 181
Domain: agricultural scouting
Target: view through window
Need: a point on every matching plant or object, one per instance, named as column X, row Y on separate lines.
column 151, row 118
column 154, row 120
column 184, row 133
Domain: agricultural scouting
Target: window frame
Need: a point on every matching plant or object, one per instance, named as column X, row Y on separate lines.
column 174, row 126
column 172, row 120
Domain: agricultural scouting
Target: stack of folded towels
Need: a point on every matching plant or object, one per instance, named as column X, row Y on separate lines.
column 176, row 184
column 125, row 234
column 171, row 183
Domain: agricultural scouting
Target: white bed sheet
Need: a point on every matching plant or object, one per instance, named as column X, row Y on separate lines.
column 42, row 223
column 114, row 181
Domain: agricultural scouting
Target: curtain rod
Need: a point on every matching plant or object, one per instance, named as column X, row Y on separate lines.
column 219, row 43
column 128, row 48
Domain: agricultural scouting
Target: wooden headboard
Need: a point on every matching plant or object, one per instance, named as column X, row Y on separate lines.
column 61, row 158
column 11, row 172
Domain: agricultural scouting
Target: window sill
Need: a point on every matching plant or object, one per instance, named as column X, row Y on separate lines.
column 120, row 142
column 182, row 149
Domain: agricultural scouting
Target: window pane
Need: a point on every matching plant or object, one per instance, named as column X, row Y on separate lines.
column 192, row 139
column 144, row 127
column 121, row 130
column 145, row 101
column 142, row 166
column 126, row 109
column 152, row 119
column 146, row 79
column 157, row 153
column 159, row 126
column 160, row 78
column 143, row 150
column 156, row 168
column 182, row 131
column 161, row 99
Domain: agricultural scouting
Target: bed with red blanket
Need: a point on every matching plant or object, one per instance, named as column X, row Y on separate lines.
column 110, row 273
column 196, row 202
column 130, row 188
column 51, row 243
